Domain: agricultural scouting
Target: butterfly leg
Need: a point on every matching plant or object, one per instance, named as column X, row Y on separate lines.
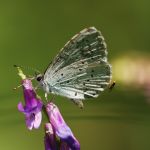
column 46, row 95
column 52, row 99
column 17, row 87
column 36, row 88
column 78, row 102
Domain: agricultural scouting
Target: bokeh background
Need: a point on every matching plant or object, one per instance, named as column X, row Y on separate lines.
column 31, row 34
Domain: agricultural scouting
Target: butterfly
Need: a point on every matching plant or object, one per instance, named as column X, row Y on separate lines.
column 80, row 70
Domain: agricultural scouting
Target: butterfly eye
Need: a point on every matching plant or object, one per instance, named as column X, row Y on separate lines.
column 39, row 78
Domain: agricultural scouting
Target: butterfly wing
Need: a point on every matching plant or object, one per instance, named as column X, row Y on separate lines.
column 81, row 69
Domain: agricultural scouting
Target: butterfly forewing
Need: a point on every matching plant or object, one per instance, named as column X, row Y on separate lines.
column 81, row 69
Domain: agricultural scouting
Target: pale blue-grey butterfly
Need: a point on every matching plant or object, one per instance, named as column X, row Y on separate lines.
column 80, row 70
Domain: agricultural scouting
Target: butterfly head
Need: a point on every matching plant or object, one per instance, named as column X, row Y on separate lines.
column 39, row 77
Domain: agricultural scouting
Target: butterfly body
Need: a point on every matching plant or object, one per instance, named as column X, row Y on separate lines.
column 81, row 69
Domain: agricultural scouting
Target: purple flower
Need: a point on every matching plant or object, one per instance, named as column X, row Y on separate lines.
column 68, row 141
column 33, row 106
column 64, row 146
column 50, row 138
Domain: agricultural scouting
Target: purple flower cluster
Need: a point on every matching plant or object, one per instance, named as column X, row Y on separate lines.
column 58, row 135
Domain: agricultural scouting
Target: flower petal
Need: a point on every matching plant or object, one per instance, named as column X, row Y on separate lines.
column 33, row 106
column 27, row 84
column 64, row 146
column 37, row 120
column 29, row 121
column 61, row 128
column 20, row 107
column 49, row 139
column 39, row 105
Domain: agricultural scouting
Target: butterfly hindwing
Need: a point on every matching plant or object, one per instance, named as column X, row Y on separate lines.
column 81, row 69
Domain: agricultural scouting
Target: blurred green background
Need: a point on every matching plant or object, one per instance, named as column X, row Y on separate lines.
column 31, row 34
